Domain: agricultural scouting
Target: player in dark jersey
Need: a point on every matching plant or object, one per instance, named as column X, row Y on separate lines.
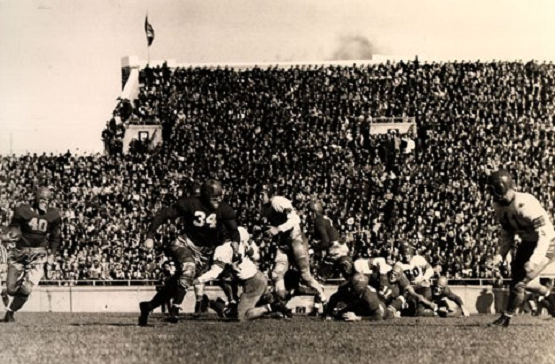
column 393, row 289
column 359, row 299
column 324, row 231
column 206, row 220
column 442, row 296
column 36, row 229
column 329, row 239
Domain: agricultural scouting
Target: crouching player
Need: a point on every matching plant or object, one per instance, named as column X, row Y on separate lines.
column 446, row 300
column 360, row 301
column 228, row 281
column 237, row 256
column 35, row 228
column 395, row 288
column 418, row 271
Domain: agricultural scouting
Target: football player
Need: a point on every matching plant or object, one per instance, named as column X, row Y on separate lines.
column 292, row 243
column 521, row 214
column 205, row 220
column 36, row 229
column 359, row 299
column 442, row 296
column 227, row 279
column 418, row 271
column 238, row 257
column 394, row 287
column 8, row 236
column 329, row 239
column 372, row 268
column 326, row 233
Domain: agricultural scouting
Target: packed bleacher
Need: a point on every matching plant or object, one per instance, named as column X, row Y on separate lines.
column 305, row 129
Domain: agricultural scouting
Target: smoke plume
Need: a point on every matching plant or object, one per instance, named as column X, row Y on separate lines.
column 354, row 47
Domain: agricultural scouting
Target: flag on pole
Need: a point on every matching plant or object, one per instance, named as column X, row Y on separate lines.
column 149, row 32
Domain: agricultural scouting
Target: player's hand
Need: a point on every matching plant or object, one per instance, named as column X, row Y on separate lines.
column 497, row 260
column 149, row 243
column 273, row 230
column 50, row 259
column 350, row 317
column 530, row 267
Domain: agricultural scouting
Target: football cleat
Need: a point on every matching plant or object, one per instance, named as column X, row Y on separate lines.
column 315, row 312
column 280, row 307
column 201, row 306
column 218, row 305
column 503, row 320
column 9, row 317
column 145, row 311
column 174, row 314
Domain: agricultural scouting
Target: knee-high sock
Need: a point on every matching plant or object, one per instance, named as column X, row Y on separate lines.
column 17, row 302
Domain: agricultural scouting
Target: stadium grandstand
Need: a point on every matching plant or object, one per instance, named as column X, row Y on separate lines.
column 397, row 151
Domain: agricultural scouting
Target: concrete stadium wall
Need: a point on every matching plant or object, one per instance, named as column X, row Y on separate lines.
column 478, row 299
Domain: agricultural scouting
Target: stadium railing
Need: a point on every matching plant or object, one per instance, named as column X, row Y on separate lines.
column 334, row 281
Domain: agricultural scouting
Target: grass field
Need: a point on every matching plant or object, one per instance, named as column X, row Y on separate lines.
column 115, row 338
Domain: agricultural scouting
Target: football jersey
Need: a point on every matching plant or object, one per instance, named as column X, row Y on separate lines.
column 242, row 266
column 416, row 269
column 364, row 304
column 199, row 223
column 37, row 228
column 389, row 291
column 437, row 297
column 325, row 231
column 277, row 210
column 371, row 266
column 280, row 211
column 524, row 216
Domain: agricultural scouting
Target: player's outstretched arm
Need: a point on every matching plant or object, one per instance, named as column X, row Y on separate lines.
column 419, row 298
column 169, row 213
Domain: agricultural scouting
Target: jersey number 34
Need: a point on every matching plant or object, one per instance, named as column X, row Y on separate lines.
column 201, row 219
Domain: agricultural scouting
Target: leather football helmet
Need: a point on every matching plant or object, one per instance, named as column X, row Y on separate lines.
column 499, row 182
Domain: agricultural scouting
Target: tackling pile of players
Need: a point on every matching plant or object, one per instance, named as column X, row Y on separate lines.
column 212, row 246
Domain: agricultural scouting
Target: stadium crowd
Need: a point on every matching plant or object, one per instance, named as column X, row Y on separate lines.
column 306, row 129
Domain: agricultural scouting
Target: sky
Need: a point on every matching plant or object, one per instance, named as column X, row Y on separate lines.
column 60, row 60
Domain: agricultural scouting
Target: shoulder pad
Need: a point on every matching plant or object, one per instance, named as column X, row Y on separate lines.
column 280, row 203
column 418, row 260
column 24, row 210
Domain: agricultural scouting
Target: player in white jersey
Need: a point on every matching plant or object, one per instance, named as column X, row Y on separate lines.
column 419, row 272
column 228, row 282
column 238, row 256
column 521, row 214
column 371, row 268
column 285, row 227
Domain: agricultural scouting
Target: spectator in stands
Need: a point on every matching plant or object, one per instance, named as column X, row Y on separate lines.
column 229, row 124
